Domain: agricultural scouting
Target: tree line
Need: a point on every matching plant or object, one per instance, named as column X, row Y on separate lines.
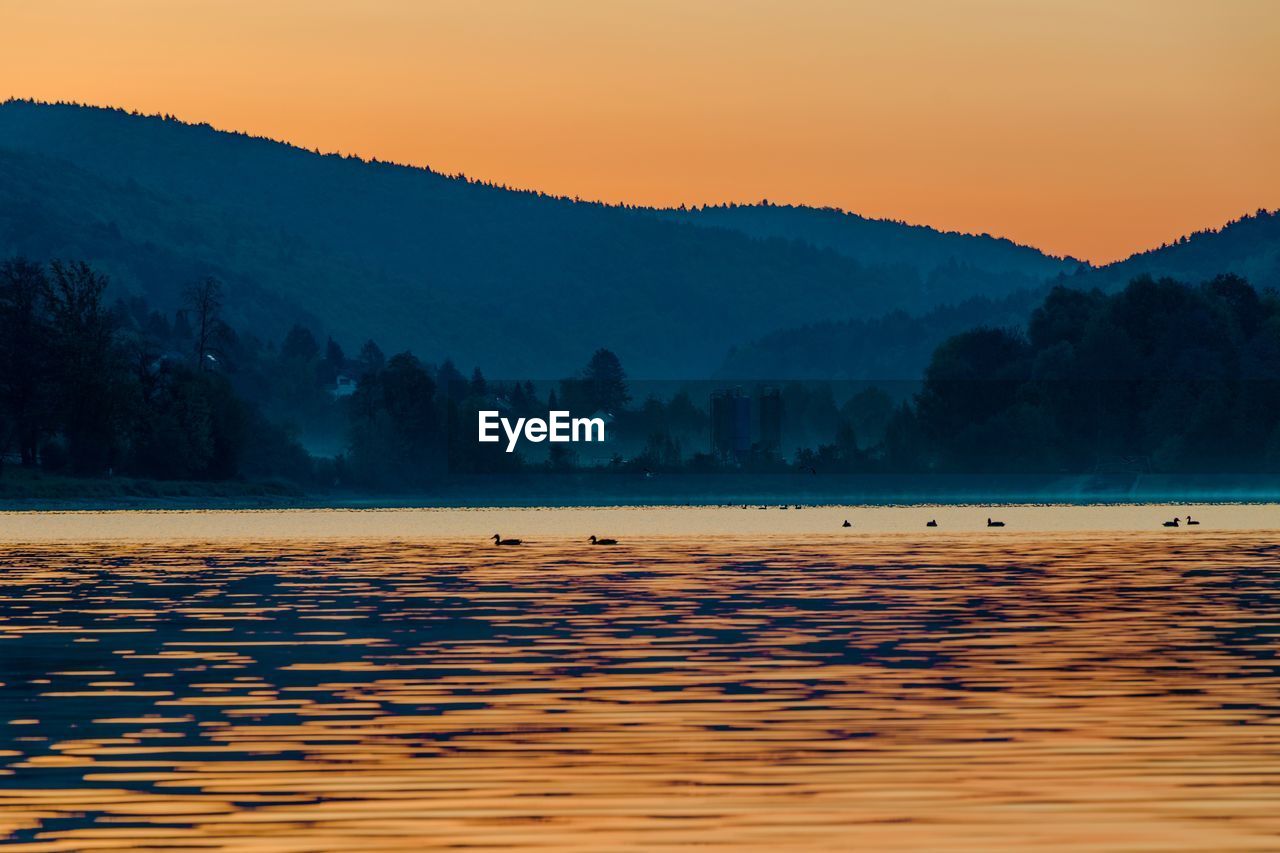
column 90, row 389
column 1160, row 376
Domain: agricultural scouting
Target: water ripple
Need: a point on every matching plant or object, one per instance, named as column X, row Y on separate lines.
column 1054, row 691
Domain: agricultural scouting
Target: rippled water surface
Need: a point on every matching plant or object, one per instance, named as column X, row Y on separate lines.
column 965, row 691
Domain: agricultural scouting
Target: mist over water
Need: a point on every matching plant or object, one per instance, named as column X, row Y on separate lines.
column 968, row 689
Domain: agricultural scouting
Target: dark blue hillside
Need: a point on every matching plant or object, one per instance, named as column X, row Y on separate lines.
column 521, row 282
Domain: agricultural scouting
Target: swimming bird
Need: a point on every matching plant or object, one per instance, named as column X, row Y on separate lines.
column 1173, row 523
column 498, row 540
column 933, row 522
column 846, row 523
column 991, row 523
column 594, row 541
column 1190, row 520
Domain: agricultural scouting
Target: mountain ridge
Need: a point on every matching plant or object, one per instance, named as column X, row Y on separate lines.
column 518, row 281
column 672, row 211
column 1248, row 246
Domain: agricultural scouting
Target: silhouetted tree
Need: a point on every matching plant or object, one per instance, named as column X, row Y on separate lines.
column 332, row 364
column 204, row 301
column 451, row 380
column 604, row 383
column 88, row 377
column 371, row 357
column 24, row 358
column 395, row 438
column 300, row 345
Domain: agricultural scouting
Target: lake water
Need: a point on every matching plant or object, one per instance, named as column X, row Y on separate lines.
column 315, row 680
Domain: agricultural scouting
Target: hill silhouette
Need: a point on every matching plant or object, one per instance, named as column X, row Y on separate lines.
column 895, row 346
column 525, row 283
column 1248, row 247
column 882, row 242
column 900, row 344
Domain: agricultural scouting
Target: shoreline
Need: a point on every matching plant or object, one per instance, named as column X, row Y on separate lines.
column 612, row 491
column 697, row 525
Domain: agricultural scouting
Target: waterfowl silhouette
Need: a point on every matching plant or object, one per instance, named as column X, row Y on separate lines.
column 933, row 522
column 1173, row 523
column 1191, row 520
column 498, row 540
column 991, row 523
column 846, row 523
column 594, row 541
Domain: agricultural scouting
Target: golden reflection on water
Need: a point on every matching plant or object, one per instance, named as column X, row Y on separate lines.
column 879, row 692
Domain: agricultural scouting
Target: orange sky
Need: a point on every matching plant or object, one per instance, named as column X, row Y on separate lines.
column 1089, row 127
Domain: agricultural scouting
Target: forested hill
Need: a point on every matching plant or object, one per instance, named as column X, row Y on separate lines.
column 894, row 346
column 524, row 283
column 1248, row 247
column 879, row 241
column 899, row 345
